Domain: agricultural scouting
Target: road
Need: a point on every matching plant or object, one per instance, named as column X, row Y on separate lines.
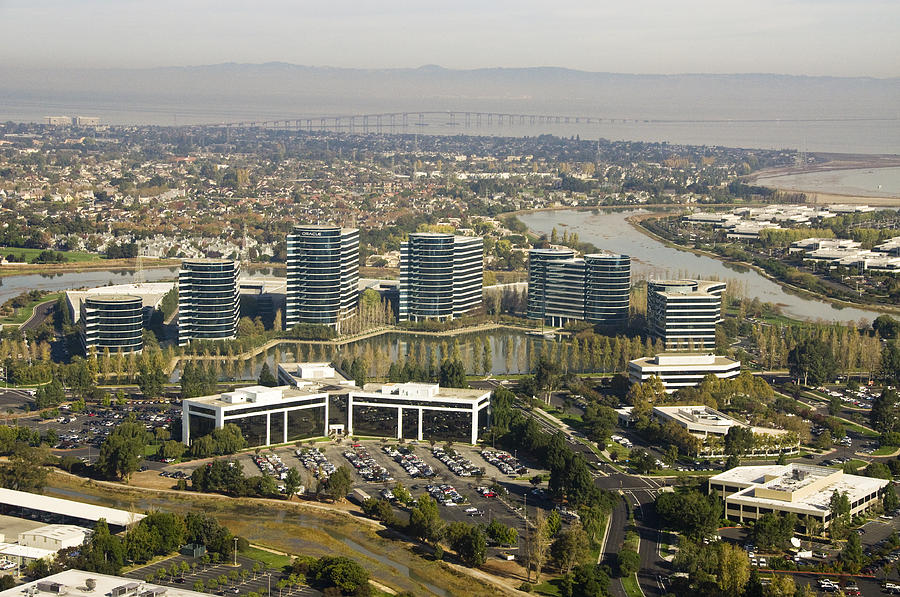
column 41, row 313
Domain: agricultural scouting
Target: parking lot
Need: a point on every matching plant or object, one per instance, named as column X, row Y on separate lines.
column 241, row 580
column 379, row 465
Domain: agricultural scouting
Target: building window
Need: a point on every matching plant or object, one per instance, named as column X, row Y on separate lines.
column 375, row 420
column 445, row 426
column 200, row 426
column 252, row 428
column 276, row 428
column 306, row 422
column 411, row 423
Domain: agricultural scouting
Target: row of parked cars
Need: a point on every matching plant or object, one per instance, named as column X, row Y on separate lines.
column 460, row 465
column 504, row 461
column 412, row 464
column 314, row 460
column 367, row 467
column 271, row 464
column 445, row 494
column 850, row 588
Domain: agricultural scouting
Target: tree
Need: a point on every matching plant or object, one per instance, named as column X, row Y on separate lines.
column 885, row 416
column 886, row 326
column 535, row 548
column 292, row 481
column 266, row 378
column 774, row 530
column 339, row 483
column 852, row 554
column 340, row 572
column 738, row 440
column 571, row 547
column 469, row 543
column 734, row 569
column 502, row 534
column 425, row 521
column 812, row 361
column 890, row 500
column 123, row 450
column 151, row 380
column 25, row 471
column 839, row 504
column 452, row 374
column 690, row 512
column 628, row 562
column 782, row 585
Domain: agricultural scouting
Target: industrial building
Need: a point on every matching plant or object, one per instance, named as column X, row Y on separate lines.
column 419, row 411
column 208, row 300
column 682, row 370
column 78, row 583
column 684, row 313
column 23, row 504
column 441, row 276
column 322, row 275
column 752, row 491
column 595, row 288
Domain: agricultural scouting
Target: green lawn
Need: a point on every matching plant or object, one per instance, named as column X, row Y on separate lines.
column 856, row 463
column 858, row 428
column 22, row 315
column 549, row 587
column 272, row 560
column 630, row 584
column 29, row 254
column 884, row 450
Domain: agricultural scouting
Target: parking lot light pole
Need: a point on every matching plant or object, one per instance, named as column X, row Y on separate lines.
column 269, row 577
column 235, row 551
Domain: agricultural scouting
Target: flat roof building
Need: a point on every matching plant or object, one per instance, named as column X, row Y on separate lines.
column 322, row 275
column 753, row 491
column 595, row 288
column 208, row 300
column 113, row 322
column 441, row 276
column 74, row 583
column 681, row 370
column 419, row 411
column 150, row 293
column 684, row 313
column 54, row 536
column 43, row 507
column 264, row 415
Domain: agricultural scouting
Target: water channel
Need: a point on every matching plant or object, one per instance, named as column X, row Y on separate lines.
column 651, row 259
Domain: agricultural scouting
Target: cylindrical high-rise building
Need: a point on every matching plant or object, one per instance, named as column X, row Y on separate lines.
column 112, row 321
column 684, row 313
column 441, row 276
column 537, row 278
column 607, row 288
column 208, row 301
column 322, row 275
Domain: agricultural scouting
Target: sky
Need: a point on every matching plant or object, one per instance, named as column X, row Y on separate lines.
column 800, row 37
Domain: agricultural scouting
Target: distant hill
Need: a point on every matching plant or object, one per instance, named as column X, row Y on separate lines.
column 284, row 90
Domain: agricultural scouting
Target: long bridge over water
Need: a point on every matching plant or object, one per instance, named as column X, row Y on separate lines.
column 411, row 121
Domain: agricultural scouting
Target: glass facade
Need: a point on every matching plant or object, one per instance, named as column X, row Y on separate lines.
column 537, row 278
column 607, row 288
column 684, row 313
column 208, row 300
column 444, row 426
column 253, row 428
column 200, row 426
column 276, row 428
column 337, row 410
column 484, row 421
column 440, row 276
column 375, row 420
column 306, row 422
column 411, row 423
column 113, row 322
column 322, row 275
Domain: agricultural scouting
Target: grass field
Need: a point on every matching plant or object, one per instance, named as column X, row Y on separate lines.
column 29, row 254
column 271, row 560
column 22, row 315
column 630, row 584
column 884, row 450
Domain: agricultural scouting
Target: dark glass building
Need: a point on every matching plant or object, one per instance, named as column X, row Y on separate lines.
column 595, row 288
column 440, row 276
column 322, row 275
column 684, row 313
column 112, row 321
column 208, row 300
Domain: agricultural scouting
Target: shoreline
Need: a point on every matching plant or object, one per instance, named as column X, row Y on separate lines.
column 636, row 219
column 768, row 178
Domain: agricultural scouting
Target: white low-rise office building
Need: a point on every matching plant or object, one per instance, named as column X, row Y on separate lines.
column 682, row 370
column 753, row 491
column 419, row 411
column 264, row 415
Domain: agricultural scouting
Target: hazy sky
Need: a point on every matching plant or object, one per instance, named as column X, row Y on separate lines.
column 815, row 37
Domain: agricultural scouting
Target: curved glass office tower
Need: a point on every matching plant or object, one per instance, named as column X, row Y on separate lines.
column 595, row 288
column 440, row 276
column 208, row 302
column 607, row 288
column 112, row 321
column 684, row 313
column 322, row 275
